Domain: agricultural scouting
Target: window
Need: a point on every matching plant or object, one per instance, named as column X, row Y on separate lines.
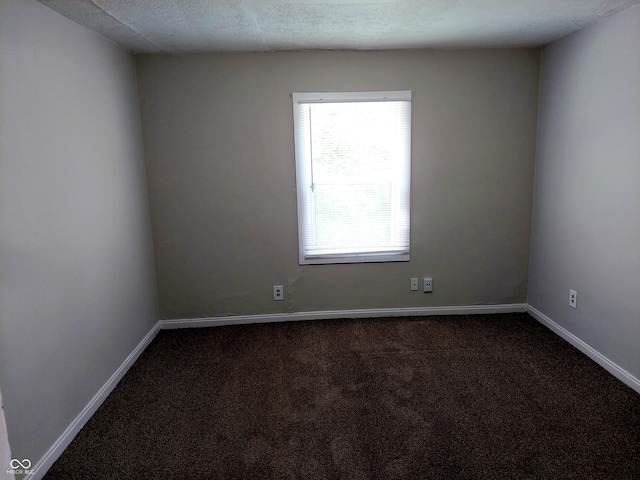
column 353, row 165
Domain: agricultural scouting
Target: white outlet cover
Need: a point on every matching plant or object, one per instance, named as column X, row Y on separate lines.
column 573, row 299
column 414, row 284
column 278, row 292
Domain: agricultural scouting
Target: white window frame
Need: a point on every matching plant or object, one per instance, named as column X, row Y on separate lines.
column 303, row 181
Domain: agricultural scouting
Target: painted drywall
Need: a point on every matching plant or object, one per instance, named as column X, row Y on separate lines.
column 586, row 220
column 218, row 135
column 77, row 291
column 6, row 473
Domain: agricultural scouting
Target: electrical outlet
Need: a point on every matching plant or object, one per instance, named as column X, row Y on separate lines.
column 573, row 299
column 427, row 284
column 414, row 284
column 278, row 292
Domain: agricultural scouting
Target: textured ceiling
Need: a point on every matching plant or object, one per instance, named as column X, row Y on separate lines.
column 181, row 26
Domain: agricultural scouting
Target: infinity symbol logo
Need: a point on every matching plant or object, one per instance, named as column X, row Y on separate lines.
column 26, row 463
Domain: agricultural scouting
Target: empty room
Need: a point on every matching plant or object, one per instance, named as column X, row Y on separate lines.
column 320, row 239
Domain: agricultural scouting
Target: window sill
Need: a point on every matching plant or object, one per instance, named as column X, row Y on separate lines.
column 349, row 258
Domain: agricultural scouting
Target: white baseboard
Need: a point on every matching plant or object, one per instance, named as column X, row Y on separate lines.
column 49, row 458
column 614, row 369
column 335, row 314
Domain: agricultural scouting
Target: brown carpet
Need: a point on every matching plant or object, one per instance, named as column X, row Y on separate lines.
column 460, row 397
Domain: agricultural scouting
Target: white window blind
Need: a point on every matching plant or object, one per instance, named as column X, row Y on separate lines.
column 353, row 169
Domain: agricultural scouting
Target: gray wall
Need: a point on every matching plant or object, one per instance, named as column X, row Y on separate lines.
column 5, row 451
column 77, row 290
column 218, row 136
column 586, row 221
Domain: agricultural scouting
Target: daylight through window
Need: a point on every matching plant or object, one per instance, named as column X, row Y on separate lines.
column 353, row 164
